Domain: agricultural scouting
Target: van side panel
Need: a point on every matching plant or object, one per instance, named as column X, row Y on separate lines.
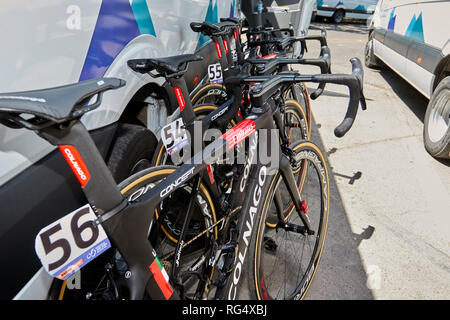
column 354, row 9
column 418, row 32
column 58, row 42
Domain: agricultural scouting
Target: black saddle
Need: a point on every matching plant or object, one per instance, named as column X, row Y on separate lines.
column 213, row 29
column 165, row 66
column 57, row 104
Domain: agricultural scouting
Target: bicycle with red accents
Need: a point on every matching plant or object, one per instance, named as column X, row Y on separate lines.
column 158, row 234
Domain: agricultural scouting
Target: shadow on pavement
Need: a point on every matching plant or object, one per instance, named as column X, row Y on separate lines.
column 415, row 101
column 341, row 274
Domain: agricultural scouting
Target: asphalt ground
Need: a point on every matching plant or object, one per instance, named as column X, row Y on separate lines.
column 389, row 226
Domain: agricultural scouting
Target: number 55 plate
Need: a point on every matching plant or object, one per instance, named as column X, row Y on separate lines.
column 70, row 243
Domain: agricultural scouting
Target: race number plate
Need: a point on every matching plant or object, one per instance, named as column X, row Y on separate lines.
column 215, row 73
column 174, row 136
column 70, row 243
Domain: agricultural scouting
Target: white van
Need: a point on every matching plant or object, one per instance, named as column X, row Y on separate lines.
column 349, row 9
column 413, row 38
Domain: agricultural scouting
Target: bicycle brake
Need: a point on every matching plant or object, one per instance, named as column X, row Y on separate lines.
column 289, row 153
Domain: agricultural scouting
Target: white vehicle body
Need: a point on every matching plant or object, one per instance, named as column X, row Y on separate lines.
column 354, row 9
column 413, row 38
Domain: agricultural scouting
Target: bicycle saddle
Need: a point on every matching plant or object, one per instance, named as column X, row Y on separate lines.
column 212, row 29
column 57, row 104
column 167, row 65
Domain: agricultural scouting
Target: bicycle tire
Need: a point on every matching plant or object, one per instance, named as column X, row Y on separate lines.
column 262, row 245
column 301, row 91
column 204, row 208
column 129, row 187
column 213, row 93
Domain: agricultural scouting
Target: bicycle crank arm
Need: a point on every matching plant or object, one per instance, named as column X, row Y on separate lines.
column 294, row 228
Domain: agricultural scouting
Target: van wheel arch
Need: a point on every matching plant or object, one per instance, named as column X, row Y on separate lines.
column 442, row 71
column 134, row 143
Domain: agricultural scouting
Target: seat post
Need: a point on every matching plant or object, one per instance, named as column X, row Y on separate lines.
column 184, row 101
column 222, row 55
column 87, row 164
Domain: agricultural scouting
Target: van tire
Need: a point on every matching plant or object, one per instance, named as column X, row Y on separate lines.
column 338, row 16
column 435, row 136
column 132, row 151
column 370, row 60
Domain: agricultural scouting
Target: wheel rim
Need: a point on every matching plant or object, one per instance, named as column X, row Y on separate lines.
column 439, row 120
column 141, row 165
column 203, row 216
column 338, row 17
column 283, row 257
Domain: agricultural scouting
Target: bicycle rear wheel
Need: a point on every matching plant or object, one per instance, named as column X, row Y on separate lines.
column 212, row 93
column 299, row 93
column 169, row 216
column 283, row 261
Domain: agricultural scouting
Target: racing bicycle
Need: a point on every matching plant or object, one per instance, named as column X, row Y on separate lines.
column 119, row 223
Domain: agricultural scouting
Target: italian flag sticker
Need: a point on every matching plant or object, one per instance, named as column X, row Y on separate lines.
column 161, row 277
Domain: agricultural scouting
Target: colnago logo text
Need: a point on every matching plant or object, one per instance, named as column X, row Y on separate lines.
column 251, row 157
column 256, row 197
column 76, row 163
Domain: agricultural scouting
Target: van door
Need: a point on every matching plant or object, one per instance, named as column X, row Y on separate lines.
column 389, row 45
column 427, row 33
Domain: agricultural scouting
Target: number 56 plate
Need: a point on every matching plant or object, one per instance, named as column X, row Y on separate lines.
column 70, row 243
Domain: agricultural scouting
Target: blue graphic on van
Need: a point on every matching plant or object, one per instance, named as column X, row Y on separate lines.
column 113, row 32
column 415, row 28
column 392, row 18
column 143, row 18
column 211, row 16
column 232, row 8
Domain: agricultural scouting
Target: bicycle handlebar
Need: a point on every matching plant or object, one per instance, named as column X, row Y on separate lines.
column 353, row 81
column 323, row 62
column 268, row 65
column 355, row 84
column 269, row 30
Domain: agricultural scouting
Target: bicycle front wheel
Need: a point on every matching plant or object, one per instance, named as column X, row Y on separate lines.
column 283, row 260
